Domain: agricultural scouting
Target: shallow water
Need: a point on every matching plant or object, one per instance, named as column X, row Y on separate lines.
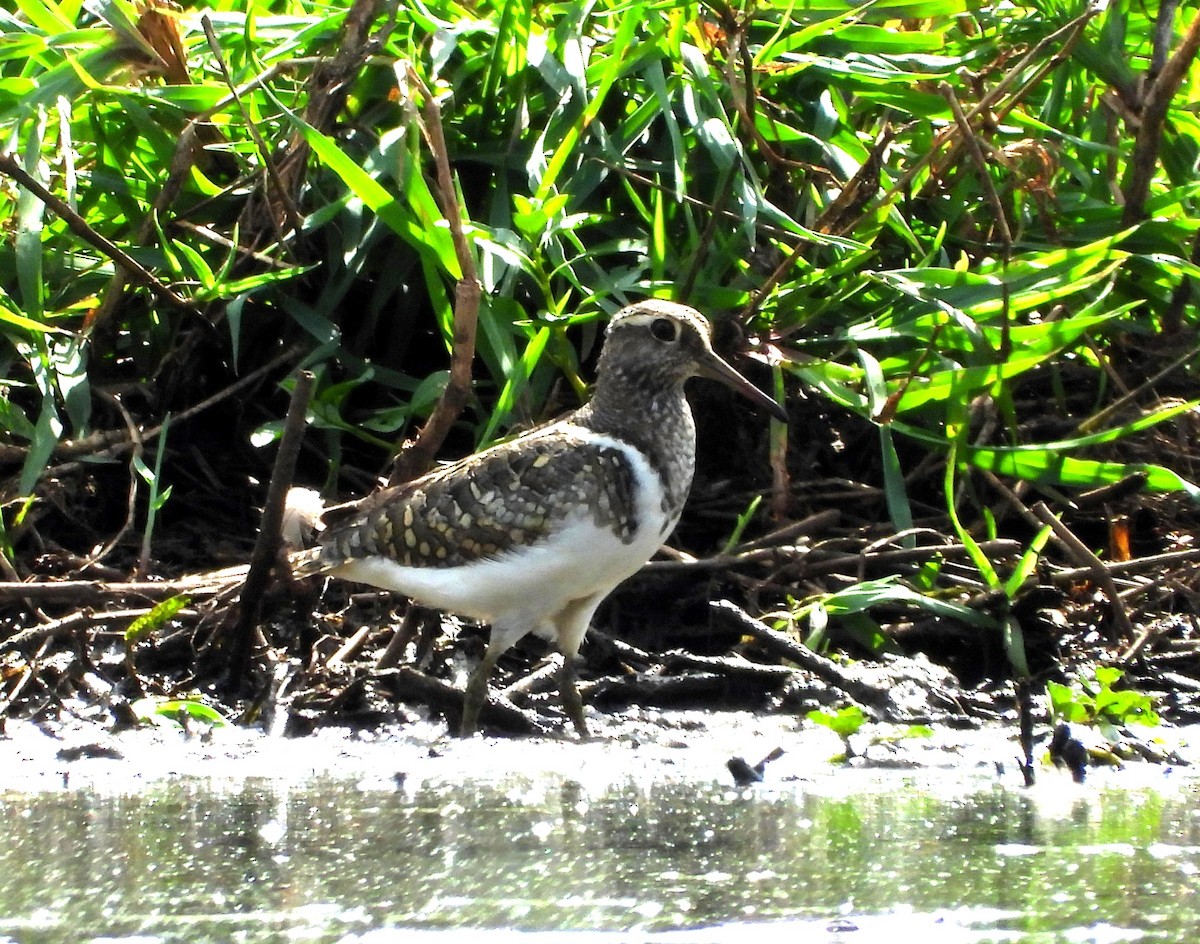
column 636, row 855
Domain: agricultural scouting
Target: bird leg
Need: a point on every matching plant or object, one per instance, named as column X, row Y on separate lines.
column 571, row 699
column 476, row 692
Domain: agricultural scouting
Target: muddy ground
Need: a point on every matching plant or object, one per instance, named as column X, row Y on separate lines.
column 709, row 625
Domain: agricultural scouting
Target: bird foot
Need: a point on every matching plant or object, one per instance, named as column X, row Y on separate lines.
column 571, row 699
column 473, row 699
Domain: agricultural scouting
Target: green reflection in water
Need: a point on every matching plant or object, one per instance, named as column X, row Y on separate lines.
column 186, row 862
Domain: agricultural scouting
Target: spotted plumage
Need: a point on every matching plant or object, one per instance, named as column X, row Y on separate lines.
column 491, row 503
column 532, row 534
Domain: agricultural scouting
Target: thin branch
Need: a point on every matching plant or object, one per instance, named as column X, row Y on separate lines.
column 1093, row 565
column 351, row 647
column 1172, row 316
column 858, row 190
column 812, row 524
column 23, row 682
column 328, row 89
column 214, row 238
column 416, row 456
column 1100, row 418
column 1162, row 37
column 81, row 228
column 683, row 290
column 403, row 635
column 67, row 625
column 1154, row 115
column 408, row 683
column 967, row 135
column 181, row 165
column 112, row 442
column 1153, row 562
column 1070, row 32
column 267, row 547
column 853, row 680
column 814, row 563
column 135, row 437
column 84, row 592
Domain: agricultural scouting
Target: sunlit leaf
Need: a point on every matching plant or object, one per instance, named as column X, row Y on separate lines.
column 174, row 712
column 159, row 616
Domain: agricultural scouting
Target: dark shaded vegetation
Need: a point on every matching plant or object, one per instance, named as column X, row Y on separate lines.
column 961, row 241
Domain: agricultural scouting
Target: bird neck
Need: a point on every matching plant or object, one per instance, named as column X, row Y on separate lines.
column 638, row 408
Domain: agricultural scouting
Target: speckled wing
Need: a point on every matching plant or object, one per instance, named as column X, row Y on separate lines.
column 513, row 495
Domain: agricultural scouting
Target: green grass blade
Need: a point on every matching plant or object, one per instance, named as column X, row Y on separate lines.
column 1028, row 563
column 974, row 551
column 619, row 48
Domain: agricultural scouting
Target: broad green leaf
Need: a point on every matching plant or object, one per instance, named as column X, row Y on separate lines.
column 888, row 591
column 844, row 722
column 158, row 617
column 171, row 712
column 430, row 237
column 942, row 384
column 517, row 382
column 981, row 561
column 1014, row 647
column 1058, row 469
column 16, row 320
column 47, row 433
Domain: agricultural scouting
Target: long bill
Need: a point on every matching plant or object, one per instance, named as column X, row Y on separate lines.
column 716, row 369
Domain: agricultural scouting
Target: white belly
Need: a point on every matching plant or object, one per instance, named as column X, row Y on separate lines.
column 529, row 584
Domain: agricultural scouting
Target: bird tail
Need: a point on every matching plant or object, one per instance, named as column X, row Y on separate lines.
column 307, row 563
column 302, row 511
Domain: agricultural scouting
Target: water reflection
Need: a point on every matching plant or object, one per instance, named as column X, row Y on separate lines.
column 334, row 860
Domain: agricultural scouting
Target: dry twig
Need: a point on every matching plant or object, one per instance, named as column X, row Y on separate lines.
column 417, row 455
column 267, row 547
column 1153, row 117
column 89, row 592
column 11, row 167
column 68, row 625
column 1094, row 566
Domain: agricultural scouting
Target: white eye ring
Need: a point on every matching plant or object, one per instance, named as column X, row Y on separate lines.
column 664, row 329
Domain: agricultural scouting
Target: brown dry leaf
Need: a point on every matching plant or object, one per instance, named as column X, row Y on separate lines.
column 1118, row 539
column 160, row 30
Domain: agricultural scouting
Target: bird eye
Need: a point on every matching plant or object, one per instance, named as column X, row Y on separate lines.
column 664, row 329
